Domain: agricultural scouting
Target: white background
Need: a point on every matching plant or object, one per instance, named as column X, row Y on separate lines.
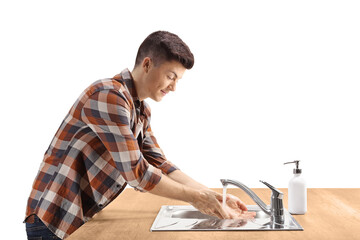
column 273, row 81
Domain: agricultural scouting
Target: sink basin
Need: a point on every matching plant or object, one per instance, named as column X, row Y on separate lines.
column 188, row 218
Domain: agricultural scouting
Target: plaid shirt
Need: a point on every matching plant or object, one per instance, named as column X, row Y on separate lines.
column 104, row 142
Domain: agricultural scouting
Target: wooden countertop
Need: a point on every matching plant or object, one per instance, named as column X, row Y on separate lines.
column 332, row 214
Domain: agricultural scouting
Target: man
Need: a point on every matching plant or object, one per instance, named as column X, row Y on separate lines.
column 105, row 142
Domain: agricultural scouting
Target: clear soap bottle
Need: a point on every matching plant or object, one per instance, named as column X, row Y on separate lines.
column 297, row 192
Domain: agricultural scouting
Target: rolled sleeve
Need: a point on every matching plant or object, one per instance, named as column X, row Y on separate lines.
column 154, row 155
column 107, row 113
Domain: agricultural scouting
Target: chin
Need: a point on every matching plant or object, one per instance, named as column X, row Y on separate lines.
column 157, row 99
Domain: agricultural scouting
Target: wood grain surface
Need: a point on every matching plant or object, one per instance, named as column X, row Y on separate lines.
column 332, row 214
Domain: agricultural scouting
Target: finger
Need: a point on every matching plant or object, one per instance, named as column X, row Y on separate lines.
column 218, row 215
column 241, row 205
column 219, row 197
column 249, row 214
column 233, row 215
column 253, row 214
column 208, row 212
column 223, row 213
column 231, row 203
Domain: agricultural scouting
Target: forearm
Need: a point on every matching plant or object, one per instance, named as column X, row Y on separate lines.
column 169, row 188
column 188, row 190
column 184, row 179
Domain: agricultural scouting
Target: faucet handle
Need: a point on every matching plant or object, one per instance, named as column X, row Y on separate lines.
column 276, row 192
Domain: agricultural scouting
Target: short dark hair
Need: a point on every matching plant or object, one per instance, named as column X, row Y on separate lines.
column 163, row 46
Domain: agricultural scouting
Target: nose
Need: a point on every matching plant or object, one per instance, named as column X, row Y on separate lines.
column 172, row 86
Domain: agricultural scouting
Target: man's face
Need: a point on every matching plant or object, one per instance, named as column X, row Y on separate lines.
column 162, row 79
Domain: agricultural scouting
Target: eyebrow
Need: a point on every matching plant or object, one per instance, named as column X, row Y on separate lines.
column 174, row 74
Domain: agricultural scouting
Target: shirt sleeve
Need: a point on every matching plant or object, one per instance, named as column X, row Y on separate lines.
column 107, row 113
column 154, row 155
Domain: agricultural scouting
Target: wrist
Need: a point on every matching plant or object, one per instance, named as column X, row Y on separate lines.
column 191, row 195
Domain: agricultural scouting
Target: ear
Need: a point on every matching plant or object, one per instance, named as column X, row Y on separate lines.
column 146, row 64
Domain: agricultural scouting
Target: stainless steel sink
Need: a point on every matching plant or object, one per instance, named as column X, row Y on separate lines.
column 188, row 218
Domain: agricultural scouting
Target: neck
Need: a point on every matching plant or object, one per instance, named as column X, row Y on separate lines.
column 138, row 77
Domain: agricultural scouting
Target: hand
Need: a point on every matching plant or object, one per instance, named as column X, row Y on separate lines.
column 210, row 203
column 237, row 209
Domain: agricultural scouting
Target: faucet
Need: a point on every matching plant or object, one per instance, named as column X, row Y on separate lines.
column 276, row 209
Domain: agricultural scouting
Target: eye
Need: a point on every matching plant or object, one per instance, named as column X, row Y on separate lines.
column 170, row 78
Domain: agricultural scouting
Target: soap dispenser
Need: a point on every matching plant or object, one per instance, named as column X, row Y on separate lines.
column 297, row 193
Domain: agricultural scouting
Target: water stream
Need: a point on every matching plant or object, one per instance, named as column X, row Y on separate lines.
column 224, row 195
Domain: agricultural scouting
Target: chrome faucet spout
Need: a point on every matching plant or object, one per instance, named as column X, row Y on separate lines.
column 276, row 210
column 249, row 192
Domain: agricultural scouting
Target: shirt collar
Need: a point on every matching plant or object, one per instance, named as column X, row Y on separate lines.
column 126, row 77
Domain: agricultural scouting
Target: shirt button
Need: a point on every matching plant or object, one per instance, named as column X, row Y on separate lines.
column 100, row 205
column 118, row 185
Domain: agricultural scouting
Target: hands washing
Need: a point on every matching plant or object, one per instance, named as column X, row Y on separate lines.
column 236, row 208
column 211, row 203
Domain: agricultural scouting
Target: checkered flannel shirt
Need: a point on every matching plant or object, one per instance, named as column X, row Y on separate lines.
column 104, row 142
